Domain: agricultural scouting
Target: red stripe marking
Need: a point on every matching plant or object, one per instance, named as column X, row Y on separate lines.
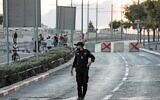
column 11, row 90
column 106, row 46
column 134, row 46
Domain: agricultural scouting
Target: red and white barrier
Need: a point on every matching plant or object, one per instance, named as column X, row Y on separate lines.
column 106, row 47
column 134, row 47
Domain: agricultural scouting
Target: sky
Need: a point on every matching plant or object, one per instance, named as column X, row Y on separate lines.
column 48, row 11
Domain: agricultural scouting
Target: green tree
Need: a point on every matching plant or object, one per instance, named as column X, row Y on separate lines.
column 116, row 24
column 126, row 25
column 149, row 13
column 91, row 27
column 135, row 12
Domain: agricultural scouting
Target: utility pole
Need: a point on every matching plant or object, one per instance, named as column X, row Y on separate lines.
column 82, row 22
column 36, row 30
column 112, row 20
column 57, row 31
column 72, row 31
column 56, row 3
column 7, row 31
column 71, row 3
column 88, row 20
column 121, row 23
column 138, row 29
column 96, row 21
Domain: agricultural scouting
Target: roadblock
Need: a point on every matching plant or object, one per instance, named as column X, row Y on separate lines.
column 90, row 46
column 134, row 47
column 118, row 47
column 106, row 47
column 98, row 47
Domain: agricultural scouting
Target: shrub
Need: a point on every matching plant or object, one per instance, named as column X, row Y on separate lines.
column 18, row 71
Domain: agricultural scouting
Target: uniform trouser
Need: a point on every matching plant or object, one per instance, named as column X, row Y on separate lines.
column 82, row 82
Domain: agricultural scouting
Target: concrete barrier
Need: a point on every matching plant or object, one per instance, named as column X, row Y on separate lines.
column 106, row 47
column 118, row 47
column 98, row 47
column 134, row 47
column 90, row 46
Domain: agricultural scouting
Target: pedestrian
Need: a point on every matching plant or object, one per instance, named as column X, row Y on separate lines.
column 81, row 64
column 15, row 50
column 49, row 42
column 65, row 39
column 55, row 40
column 61, row 40
column 15, row 36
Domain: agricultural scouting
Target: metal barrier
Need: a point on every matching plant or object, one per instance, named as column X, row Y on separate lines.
column 24, row 47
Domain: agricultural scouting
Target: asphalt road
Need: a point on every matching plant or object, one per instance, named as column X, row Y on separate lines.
column 114, row 76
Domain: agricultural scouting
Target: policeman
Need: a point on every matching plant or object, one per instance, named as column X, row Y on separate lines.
column 81, row 64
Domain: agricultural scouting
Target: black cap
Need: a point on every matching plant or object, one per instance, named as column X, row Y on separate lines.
column 79, row 44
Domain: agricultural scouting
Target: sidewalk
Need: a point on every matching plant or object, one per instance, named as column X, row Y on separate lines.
column 20, row 85
column 153, row 48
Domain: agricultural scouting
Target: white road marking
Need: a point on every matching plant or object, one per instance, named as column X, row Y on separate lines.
column 147, row 65
column 123, row 80
column 72, row 98
column 107, row 97
column 141, row 55
column 127, row 65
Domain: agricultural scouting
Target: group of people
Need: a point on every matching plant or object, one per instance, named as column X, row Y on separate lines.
column 49, row 42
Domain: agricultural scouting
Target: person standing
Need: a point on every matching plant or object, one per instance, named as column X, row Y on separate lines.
column 81, row 64
column 15, row 36
column 49, row 43
column 55, row 40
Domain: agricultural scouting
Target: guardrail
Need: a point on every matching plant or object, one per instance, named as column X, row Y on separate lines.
column 22, row 47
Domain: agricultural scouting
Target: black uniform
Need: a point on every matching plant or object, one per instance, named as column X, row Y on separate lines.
column 80, row 63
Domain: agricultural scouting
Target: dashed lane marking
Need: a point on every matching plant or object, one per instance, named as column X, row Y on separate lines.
column 123, row 80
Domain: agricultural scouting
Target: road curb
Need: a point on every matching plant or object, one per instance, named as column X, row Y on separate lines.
column 20, row 85
column 149, row 51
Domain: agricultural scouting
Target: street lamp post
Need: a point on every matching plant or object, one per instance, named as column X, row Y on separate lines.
column 88, row 21
column 7, row 31
column 71, row 3
column 36, row 30
column 138, row 29
column 111, row 21
column 82, row 23
column 56, row 3
column 121, row 23
column 96, row 21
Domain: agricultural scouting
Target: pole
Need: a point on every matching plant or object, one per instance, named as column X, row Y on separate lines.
column 36, row 29
column 144, row 37
column 71, row 31
column 88, row 21
column 71, row 3
column 96, row 21
column 121, row 22
column 57, row 31
column 56, row 3
column 138, row 29
column 112, row 20
column 7, row 32
column 82, row 23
